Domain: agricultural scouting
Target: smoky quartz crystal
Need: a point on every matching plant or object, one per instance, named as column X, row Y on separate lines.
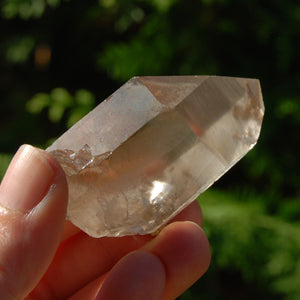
column 153, row 146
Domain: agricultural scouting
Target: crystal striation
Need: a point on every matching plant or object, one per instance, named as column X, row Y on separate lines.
column 153, row 146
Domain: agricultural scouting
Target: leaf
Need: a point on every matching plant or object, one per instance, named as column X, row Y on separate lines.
column 56, row 113
column 19, row 50
column 61, row 97
column 36, row 104
column 4, row 162
column 84, row 98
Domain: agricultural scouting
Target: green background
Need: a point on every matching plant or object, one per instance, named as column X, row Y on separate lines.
column 58, row 59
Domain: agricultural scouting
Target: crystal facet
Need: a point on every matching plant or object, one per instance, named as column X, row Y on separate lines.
column 152, row 147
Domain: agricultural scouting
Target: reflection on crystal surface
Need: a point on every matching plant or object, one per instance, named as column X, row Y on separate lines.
column 142, row 156
column 159, row 192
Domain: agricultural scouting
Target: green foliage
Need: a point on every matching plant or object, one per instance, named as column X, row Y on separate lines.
column 289, row 109
column 4, row 162
column 26, row 9
column 125, row 67
column 59, row 101
column 246, row 239
column 163, row 5
column 19, row 49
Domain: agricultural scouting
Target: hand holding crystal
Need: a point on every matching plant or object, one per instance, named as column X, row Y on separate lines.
column 42, row 256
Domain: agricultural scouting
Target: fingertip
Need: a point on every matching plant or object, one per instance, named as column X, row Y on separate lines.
column 27, row 180
column 184, row 250
column 58, row 190
column 51, row 210
column 191, row 213
column 186, row 243
column 138, row 275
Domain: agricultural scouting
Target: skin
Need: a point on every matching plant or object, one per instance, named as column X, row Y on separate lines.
column 42, row 256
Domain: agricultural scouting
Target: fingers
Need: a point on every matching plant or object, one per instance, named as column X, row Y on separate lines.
column 69, row 231
column 139, row 275
column 178, row 257
column 87, row 258
column 90, row 291
column 33, row 200
column 184, row 251
column 81, row 259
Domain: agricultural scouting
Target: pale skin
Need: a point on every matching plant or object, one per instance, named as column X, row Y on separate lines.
column 44, row 257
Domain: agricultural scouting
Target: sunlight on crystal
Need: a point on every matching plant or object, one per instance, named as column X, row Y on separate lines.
column 158, row 189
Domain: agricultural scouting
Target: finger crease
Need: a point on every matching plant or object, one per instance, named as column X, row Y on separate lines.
column 43, row 291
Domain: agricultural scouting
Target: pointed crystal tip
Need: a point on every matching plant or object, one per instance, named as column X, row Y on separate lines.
column 153, row 146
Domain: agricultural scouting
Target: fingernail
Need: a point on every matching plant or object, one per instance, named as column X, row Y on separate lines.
column 27, row 180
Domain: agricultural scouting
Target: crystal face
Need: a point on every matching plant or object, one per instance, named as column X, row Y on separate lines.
column 152, row 147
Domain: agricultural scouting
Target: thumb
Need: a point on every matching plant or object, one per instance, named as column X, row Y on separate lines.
column 33, row 201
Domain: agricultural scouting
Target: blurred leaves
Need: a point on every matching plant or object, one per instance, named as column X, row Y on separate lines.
column 26, row 9
column 60, row 102
column 289, row 108
column 118, row 58
column 19, row 49
column 258, row 246
column 163, row 5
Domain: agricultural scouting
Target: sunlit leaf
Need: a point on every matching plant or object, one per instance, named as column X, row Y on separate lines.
column 61, row 97
column 55, row 113
column 84, row 98
column 38, row 103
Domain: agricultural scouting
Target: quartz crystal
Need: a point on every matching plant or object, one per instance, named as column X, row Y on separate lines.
column 152, row 147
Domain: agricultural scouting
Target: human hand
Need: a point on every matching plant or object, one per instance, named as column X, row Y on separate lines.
column 44, row 257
